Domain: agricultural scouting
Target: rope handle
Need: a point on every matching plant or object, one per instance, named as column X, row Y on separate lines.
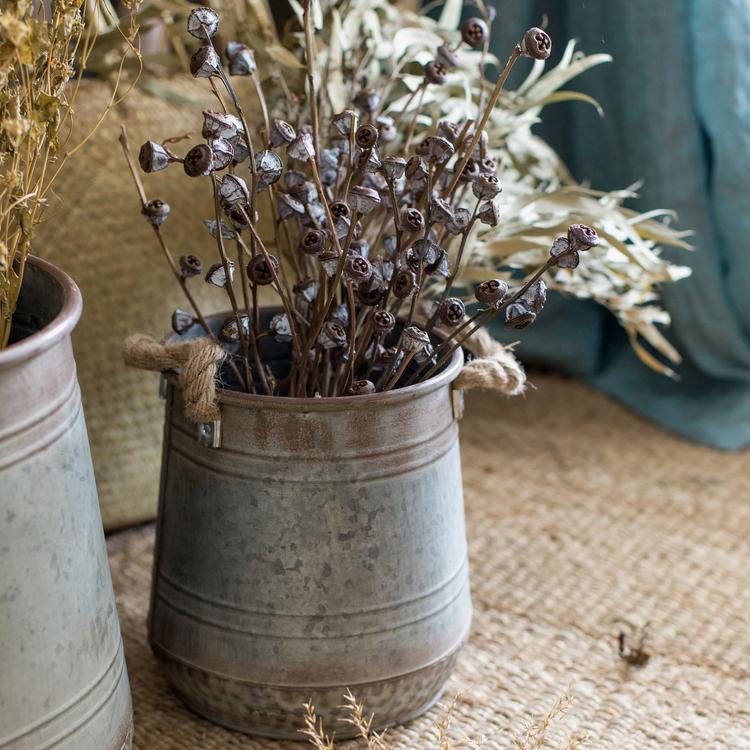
column 198, row 360
column 494, row 367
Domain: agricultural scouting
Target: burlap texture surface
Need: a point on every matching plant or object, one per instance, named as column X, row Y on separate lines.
column 580, row 515
column 94, row 231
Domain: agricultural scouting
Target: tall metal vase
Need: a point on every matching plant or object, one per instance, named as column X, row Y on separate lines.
column 63, row 682
column 307, row 546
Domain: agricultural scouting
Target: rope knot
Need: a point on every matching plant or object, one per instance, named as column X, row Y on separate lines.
column 198, row 361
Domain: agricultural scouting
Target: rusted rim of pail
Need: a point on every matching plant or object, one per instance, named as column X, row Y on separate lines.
column 61, row 326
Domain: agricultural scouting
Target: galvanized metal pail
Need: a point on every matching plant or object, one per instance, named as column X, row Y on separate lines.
column 63, row 682
column 320, row 547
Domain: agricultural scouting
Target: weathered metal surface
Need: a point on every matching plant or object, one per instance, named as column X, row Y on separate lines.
column 63, row 681
column 320, row 547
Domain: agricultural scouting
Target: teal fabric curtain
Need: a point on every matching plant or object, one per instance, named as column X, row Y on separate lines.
column 677, row 104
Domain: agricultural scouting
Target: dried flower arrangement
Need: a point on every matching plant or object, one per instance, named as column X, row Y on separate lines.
column 43, row 55
column 386, row 43
column 368, row 236
column 533, row 737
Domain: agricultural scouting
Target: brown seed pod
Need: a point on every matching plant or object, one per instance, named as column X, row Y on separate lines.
column 492, row 291
column 404, row 283
column 441, row 211
column 461, row 221
column 436, row 72
column 366, row 136
column 582, row 237
column 536, row 44
column 221, row 125
column 367, row 100
column 288, row 206
column 451, row 311
column 436, row 148
column 474, row 32
column 361, row 388
column 233, row 191
column 393, row 167
column 203, row 23
column 241, row 59
column 416, row 168
column 363, row 199
column 440, row 266
column 412, row 219
column 518, row 316
column 280, row 328
column 332, row 335
column 384, row 321
column 357, row 269
column 340, row 210
column 181, row 321
column 301, row 148
column 217, row 276
column 565, row 257
column 313, row 241
column 223, row 153
column 448, row 130
column 535, row 296
column 230, row 331
column 345, row 121
column 156, row 212
column 259, row 272
column 370, row 293
column 153, row 157
column 471, row 171
column 414, row 339
column 205, row 63
column 489, row 213
column 198, row 161
column 486, row 186
column 190, row 265
column 269, row 167
column 281, row 132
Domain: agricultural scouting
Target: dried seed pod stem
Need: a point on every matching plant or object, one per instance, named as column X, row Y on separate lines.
column 449, row 281
column 310, row 66
column 479, row 129
column 123, row 138
column 248, row 381
column 479, row 319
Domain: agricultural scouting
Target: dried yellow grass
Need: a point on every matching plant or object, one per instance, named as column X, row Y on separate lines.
column 534, row 736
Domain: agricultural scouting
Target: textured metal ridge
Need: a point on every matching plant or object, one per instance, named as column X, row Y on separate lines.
column 243, row 625
column 43, row 430
column 371, row 468
column 54, row 728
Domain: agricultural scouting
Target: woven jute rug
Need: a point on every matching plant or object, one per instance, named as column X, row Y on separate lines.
column 583, row 520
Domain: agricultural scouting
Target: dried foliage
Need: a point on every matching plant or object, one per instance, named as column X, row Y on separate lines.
column 385, row 44
column 43, row 55
column 540, row 199
column 370, row 223
column 534, row 736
